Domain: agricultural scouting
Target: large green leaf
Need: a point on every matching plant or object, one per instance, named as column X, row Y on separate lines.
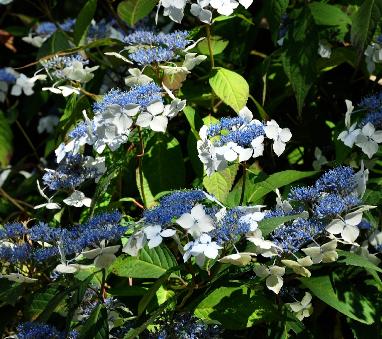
column 6, row 137
column 276, row 180
column 220, row 183
column 162, row 164
column 131, row 11
column 43, row 304
column 341, row 296
column 299, row 58
column 364, row 23
column 274, row 10
column 235, row 307
column 354, row 259
column 150, row 263
column 230, row 87
column 96, row 326
column 328, row 15
column 83, row 21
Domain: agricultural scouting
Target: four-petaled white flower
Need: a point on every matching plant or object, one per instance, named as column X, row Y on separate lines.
column 299, row 266
column 324, row 253
column 199, row 11
column 232, row 151
column 65, row 91
column 77, row 72
column 25, row 84
column 196, row 222
column 303, row 308
column 347, row 227
column 137, row 77
column 201, row 248
column 280, row 136
column 78, row 199
column 368, row 139
column 273, row 274
column 103, row 256
column 264, row 247
column 155, row 234
column 136, row 242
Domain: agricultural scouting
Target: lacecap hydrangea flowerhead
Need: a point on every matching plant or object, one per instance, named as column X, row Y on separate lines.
column 238, row 139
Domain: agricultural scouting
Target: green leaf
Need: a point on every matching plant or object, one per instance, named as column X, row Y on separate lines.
column 277, row 180
column 268, row 225
column 274, row 10
column 83, row 21
column 56, row 43
column 43, row 304
column 218, row 45
column 131, row 11
column 162, row 164
column 340, row 297
column 6, row 137
column 364, row 23
column 143, row 303
column 220, row 183
column 193, row 119
column 299, row 59
column 230, row 87
column 10, row 292
column 328, row 15
column 97, row 326
column 235, row 307
column 150, row 263
column 354, row 259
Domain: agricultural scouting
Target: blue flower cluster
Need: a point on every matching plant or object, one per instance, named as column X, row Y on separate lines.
column 141, row 95
column 237, row 130
column 48, row 28
column 230, row 227
column 172, row 206
column 150, row 47
column 185, row 326
column 6, row 76
column 37, row 330
column 373, row 105
column 332, row 194
column 105, row 226
column 70, row 173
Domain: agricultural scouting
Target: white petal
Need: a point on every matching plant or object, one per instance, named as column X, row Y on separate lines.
column 156, row 107
column 336, row 226
column 278, row 147
column 154, row 242
column 159, row 124
column 274, row 283
column 167, row 233
column 104, row 260
column 144, row 119
column 186, row 221
column 211, row 252
column 353, row 218
column 350, row 233
column 230, row 155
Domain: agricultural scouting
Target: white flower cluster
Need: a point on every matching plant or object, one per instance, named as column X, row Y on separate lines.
column 249, row 135
column 365, row 137
column 202, row 9
column 113, row 126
